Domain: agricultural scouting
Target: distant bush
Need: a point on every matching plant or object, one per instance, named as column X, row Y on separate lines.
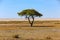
column 16, row 36
column 48, row 38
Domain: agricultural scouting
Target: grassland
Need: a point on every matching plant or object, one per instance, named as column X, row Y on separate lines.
column 41, row 30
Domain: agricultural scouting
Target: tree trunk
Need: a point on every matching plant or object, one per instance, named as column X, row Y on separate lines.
column 31, row 22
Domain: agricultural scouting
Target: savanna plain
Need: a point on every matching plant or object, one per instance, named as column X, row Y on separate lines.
column 21, row 30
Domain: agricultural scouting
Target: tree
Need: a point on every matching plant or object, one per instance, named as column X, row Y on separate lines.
column 30, row 14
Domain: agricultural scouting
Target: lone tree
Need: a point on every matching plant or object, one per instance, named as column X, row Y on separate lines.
column 30, row 14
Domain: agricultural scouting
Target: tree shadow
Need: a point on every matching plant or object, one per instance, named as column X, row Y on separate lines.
column 43, row 26
column 36, row 25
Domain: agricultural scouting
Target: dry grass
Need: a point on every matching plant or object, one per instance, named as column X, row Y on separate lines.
column 41, row 30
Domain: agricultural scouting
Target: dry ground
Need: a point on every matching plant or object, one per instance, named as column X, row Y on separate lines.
column 41, row 30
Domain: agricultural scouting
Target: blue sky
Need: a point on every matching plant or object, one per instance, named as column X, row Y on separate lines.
column 49, row 8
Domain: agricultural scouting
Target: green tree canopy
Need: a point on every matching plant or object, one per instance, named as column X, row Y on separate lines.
column 29, row 12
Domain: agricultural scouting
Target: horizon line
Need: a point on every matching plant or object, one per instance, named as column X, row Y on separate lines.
column 23, row 19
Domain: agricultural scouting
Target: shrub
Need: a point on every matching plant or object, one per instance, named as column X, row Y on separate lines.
column 16, row 36
column 49, row 38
